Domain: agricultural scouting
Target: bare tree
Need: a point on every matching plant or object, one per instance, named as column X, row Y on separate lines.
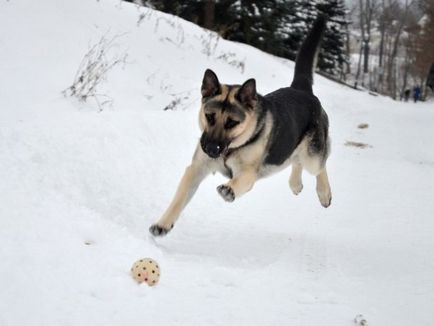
column 349, row 14
column 424, row 48
column 359, row 65
column 391, row 72
column 367, row 9
column 382, row 29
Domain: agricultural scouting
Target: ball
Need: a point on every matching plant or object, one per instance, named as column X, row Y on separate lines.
column 146, row 270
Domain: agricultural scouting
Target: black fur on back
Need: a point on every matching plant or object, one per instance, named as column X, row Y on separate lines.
column 295, row 111
column 295, row 114
column 303, row 74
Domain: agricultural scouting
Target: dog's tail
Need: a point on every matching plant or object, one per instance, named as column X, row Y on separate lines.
column 306, row 57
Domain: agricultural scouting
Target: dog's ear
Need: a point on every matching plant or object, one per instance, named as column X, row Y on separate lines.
column 247, row 94
column 210, row 84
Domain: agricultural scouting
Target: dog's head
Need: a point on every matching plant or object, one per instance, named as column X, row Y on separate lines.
column 228, row 114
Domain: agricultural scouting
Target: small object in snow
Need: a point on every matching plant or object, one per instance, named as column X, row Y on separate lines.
column 360, row 320
column 356, row 144
column 146, row 270
column 363, row 126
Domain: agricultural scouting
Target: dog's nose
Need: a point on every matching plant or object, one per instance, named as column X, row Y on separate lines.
column 213, row 150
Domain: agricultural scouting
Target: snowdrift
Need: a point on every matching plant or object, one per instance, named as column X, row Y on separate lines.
column 81, row 183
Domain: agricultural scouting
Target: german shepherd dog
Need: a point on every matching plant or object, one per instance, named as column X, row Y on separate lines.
column 247, row 136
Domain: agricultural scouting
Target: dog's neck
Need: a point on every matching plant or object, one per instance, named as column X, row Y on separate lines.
column 257, row 133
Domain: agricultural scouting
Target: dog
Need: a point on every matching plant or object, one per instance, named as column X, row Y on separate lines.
column 246, row 136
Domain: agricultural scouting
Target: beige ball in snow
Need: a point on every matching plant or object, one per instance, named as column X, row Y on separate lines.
column 146, row 270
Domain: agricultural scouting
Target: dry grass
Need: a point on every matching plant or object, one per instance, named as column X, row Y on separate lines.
column 356, row 144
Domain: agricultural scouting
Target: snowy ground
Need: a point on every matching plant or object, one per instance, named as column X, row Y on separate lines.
column 79, row 188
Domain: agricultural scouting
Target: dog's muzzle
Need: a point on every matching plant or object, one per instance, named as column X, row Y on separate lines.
column 212, row 148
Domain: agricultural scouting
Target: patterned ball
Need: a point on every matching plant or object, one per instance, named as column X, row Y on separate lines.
column 146, row 270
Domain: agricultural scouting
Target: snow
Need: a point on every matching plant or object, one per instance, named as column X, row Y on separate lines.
column 80, row 187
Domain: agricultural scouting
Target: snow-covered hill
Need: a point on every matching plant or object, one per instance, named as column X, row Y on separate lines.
column 79, row 188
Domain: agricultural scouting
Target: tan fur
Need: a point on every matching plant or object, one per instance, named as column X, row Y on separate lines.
column 302, row 159
column 243, row 182
column 323, row 188
column 311, row 164
column 224, row 93
column 242, row 132
column 202, row 119
column 245, row 164
column 253, row 155
column 295, row 182
column 190, row 181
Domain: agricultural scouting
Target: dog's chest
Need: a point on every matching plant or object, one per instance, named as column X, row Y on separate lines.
column 266, row 170
column 240, row 161
column 226, row 170
column 231, row 168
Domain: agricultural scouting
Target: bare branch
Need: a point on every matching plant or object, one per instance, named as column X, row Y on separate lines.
column 93, row 70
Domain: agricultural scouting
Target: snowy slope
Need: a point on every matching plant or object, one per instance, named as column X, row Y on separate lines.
column 79, row 188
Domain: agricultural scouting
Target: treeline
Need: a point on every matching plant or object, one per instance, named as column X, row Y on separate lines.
column 386, row 46
column 274, row 26
column 395, row 41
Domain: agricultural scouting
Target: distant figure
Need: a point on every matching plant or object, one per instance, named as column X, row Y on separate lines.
column 407, row 94
column 416, row 93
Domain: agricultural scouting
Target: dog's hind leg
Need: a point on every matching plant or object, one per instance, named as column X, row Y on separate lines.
column 323, row 188
column 295, row 182
column 312, row 156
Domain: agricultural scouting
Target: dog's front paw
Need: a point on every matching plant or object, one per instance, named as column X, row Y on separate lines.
column 159, row 231
column 226, row 192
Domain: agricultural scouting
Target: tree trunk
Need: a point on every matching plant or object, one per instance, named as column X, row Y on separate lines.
column 430, row 79
column 367, row 39
column 394, row 53
column 382, row 27
column 393, row 82
column 359, row 66
column 348, row 50
column 362, row 44
column 406, row 70
column 208, row 14
column 366, row 49
column 395, row 49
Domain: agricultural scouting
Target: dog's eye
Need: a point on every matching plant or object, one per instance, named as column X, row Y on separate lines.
column 210, row 117
column 231, row 123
